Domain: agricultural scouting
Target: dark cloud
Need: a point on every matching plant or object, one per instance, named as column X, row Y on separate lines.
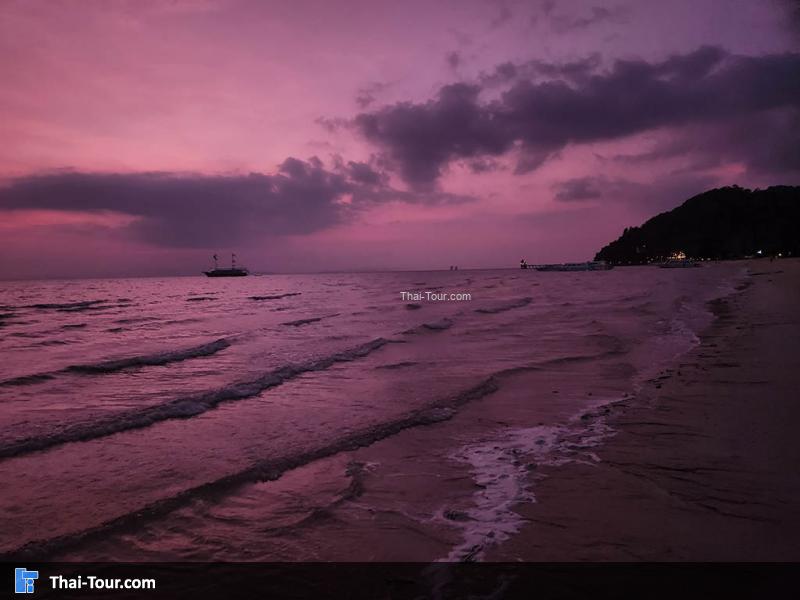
column 194, row 210
column 582, row 188
column 453, row 59
column 538, row 118
column 190, row 210
column 483, row 165
column 333, row 124
column 364, row 173
column 422, row 138
column 764, row 142
column 507, row 73
column 660, row 194
column 367, row 94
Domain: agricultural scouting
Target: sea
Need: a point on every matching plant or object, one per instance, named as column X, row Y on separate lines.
column 397, row 416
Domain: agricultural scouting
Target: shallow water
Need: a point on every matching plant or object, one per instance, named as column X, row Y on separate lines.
column 194, row 418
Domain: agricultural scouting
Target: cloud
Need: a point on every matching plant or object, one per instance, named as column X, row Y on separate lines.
column 368, row 93
column 334, row 124
column 572, row 71
column 582, row 188
column 537, row 118
column 484, row 165
column 597, row 14
column 453, row 60
column 420, row 139
column 764, row 143
column 662, row 193
column 190, row 210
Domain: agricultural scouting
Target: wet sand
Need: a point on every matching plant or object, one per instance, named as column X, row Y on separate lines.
column 704, row 464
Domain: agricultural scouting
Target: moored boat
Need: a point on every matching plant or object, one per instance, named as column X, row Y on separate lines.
column 233, row 271
column 593, row 265
column 678, row 260
column 683, row 263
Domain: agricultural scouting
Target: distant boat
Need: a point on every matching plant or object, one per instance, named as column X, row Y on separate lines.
column 593, row 265
column 678, row 263
column 233, row 271
column 678, row 260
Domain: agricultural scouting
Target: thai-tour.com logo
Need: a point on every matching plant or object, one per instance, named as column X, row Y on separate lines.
column 24, row 580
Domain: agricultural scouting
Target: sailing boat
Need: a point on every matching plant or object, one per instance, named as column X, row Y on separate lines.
column 234, row 271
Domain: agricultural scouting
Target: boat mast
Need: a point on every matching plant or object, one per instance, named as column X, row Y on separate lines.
column 233, row 261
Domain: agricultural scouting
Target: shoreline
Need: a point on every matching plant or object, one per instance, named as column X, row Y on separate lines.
column 599, row 454
column 702, row 465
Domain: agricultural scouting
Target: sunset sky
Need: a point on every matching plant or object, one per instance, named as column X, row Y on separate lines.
column 139, row 137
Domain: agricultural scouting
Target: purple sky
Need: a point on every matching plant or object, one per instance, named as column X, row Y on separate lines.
column 140, row 137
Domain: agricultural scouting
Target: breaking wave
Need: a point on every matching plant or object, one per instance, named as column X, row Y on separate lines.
column 161, row 358
column 110, row 366
column 275, row 296
column 68, row 305
column 504, row 307
column 439, row 325
column 398, row 365
column 28, row 379
column 185, row 407
column 268, row 470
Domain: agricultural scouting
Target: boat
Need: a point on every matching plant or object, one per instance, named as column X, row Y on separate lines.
column 592, row 265
column 233, row 271
column 672, row 263
column 678, row 260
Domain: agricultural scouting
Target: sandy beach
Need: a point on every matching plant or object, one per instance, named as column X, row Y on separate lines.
column 703, row 465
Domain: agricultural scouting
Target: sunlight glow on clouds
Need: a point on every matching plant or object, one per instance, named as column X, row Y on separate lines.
column 169, row 127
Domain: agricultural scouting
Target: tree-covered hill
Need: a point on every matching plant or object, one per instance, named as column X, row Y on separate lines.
column 723, row 223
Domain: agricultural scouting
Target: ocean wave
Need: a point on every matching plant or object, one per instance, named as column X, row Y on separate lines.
column 72, row 307
column 182, row 408
column 199, row 298
column 27, row 379
column 268, row 470
column 182, row 321
column 504, row 307
column 110, row 366
column 502, row 467
column 355, row 488
column 300, row 322
column 148, row 360
column 398, row 365
column 275, row 296
column 439, row 325
column 136, row 320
